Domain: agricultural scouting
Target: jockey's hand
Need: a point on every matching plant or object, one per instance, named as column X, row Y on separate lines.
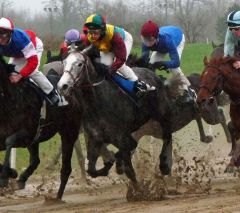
column 159, row 65
column 15, row 78
column 236, row 64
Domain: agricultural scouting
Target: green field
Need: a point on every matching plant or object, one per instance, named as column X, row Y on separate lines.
column 192, row 61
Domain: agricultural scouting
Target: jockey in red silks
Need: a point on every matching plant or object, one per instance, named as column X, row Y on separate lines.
column 114, row 44
column 25, row 50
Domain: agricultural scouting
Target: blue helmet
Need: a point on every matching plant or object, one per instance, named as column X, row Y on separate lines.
column 72, row 35
column 233, row 19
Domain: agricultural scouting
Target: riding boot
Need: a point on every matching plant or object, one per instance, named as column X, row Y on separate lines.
column 188, row 96
column 141, row 88
column 52, row 97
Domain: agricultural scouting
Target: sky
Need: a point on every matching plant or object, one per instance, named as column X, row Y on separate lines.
column 33, row 5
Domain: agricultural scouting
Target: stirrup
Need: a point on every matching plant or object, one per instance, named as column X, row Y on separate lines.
column 52, row 97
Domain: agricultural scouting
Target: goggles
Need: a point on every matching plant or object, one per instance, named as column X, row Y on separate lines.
column 234, row 28
column 148, row 41
column 94, row 32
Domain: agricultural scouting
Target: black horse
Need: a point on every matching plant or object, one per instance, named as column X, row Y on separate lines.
column 21, row 125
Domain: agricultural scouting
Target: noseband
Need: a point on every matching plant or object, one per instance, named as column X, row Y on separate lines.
column 76, row 80
column 216, row 91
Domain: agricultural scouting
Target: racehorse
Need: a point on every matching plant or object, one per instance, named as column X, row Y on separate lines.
column 21, row 125
column 110, row 115
column 219, row 75
column 213, row 115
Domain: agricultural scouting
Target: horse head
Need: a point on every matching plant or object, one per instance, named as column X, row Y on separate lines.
column 76, row 71
column 215, row 76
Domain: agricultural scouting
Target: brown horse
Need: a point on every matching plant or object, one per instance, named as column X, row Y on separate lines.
column 219, row 75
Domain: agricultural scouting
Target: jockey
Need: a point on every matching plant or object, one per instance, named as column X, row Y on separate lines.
column 25, row 51
column 165, row 40
column 115, row 45
column 232, row 38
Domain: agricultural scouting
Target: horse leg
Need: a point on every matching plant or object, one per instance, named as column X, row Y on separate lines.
column 108, row 158
column 55, row 158
column 231, row 129
column 127, row 148
column 166, row 153
column 10, row 142
column 95, row 148
column 68, row 140
column 203, row 137
column 34, row 162
column 80, row 158
column 226, row 128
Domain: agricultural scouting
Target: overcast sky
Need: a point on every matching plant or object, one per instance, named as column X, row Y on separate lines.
column 33, row 5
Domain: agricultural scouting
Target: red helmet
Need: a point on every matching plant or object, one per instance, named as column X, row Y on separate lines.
column 150, row 29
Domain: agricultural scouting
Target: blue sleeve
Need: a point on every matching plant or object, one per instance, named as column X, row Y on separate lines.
column 174, row 61
column 145, row 53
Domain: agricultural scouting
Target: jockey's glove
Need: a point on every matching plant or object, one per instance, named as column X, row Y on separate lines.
column 159, row 65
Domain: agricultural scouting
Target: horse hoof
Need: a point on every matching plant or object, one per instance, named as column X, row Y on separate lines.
column 165, row 170
column 13, row 174
column 207, row 139
column 19, row 185
column 93, row 174
column 4, row 182
column 119, row 170
column 229, row 169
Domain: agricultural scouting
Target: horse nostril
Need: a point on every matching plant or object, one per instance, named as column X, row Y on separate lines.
column 64, row 87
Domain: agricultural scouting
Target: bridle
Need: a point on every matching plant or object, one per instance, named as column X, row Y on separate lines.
column 216, row 91
column 76, row 80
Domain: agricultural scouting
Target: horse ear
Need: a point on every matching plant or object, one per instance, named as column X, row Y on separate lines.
column 87, row 49
column 205, row 61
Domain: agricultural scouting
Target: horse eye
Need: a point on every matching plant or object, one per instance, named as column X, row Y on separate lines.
column 80, row 64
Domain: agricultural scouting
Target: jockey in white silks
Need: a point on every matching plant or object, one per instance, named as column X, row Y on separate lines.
column 25, row 50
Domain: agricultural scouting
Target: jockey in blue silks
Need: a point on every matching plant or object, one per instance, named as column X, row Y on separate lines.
column 25, row 50
column 232, row 38
column 162, row 41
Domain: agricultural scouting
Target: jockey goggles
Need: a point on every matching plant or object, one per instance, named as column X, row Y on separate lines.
column 148, row 41
column 234, row 28
column 5, row 34
column 94, row 32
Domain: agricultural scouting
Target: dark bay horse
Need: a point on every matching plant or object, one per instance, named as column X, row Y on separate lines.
column 110, row 115
column 214, row 115
column 21, row 126
column 219, row 75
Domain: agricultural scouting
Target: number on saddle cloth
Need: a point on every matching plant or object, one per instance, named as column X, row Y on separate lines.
column 124, row 83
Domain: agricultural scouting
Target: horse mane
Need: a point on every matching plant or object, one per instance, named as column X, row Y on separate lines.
column 222, row 60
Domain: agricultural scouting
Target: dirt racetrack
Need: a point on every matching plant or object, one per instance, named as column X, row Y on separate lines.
column 198, row 182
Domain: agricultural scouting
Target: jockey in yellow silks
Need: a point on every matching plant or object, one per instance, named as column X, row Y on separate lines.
column 115, row 45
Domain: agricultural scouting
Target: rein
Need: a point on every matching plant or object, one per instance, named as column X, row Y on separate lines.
column 76, row 81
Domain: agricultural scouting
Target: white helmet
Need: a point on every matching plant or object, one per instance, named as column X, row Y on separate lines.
column 233, row 19
column 6, row 24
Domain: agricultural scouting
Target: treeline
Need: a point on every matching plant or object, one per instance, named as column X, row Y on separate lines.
column 201, row 20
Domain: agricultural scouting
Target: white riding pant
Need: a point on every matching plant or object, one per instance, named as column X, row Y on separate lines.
column 177, row 72
column 36, row 75
column 107, row 58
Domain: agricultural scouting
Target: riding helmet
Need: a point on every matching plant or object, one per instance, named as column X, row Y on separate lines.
column 233, row 19
column 96, row 21
column 72, row 35
column 150, row 29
